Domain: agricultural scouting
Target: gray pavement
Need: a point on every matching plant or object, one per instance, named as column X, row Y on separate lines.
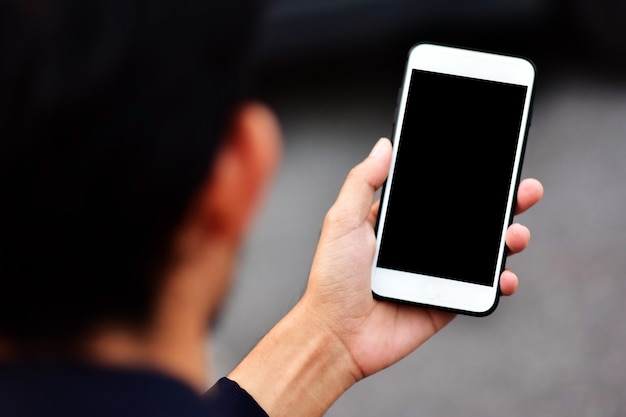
column 557, row 348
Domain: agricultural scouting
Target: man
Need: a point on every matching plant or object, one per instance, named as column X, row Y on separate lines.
column 132, row 167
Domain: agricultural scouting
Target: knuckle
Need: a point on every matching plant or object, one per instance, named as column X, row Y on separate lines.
column 338, row 218
column 354, row 174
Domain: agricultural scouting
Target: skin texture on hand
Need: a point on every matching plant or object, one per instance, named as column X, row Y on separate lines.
column 338, row 325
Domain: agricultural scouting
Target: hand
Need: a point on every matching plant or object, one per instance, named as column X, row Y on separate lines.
column 337, row 333
column 378, row 334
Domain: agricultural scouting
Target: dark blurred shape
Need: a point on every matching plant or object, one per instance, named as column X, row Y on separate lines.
column 601, row 25
column 371, row 35
column 110, row 114
column 304, row 27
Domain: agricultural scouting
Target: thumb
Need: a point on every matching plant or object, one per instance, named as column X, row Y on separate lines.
column 357, row 193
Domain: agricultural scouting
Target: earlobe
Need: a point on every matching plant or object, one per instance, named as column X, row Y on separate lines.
column 244, row 168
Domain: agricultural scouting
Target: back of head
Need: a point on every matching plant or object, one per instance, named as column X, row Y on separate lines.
column 110, row 114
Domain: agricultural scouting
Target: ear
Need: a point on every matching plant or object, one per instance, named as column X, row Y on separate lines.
column 243, row 169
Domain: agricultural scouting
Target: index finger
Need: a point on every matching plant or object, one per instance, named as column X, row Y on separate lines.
column 529, row 193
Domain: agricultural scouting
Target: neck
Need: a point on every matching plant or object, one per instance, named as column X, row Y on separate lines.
column 6, row 352
column 177, row 351
column 180, row 352
column 178, row 341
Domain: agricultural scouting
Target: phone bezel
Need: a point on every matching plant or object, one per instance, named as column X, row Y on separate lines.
column 431, row 291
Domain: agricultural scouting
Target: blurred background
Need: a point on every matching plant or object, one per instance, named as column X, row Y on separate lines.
column 331, row 70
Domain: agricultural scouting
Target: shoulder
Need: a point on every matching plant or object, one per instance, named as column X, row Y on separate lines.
column 72, row 390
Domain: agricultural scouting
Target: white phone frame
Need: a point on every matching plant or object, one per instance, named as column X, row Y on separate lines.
column 448, row 294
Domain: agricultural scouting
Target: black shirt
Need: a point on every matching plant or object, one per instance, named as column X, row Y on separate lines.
column 80, row 390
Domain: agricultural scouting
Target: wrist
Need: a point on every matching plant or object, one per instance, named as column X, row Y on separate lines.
column 300, row 367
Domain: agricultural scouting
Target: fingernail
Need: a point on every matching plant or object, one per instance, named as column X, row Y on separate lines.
column 376, row 149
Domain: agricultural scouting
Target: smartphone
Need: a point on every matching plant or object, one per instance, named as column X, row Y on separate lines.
column 458, row 146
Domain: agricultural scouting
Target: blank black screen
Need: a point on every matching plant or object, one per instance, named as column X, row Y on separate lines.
column 452, row 175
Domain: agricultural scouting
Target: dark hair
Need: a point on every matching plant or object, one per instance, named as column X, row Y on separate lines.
column 110, row 114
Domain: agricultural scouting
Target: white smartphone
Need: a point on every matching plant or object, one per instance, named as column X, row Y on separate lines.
column 458, row 146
